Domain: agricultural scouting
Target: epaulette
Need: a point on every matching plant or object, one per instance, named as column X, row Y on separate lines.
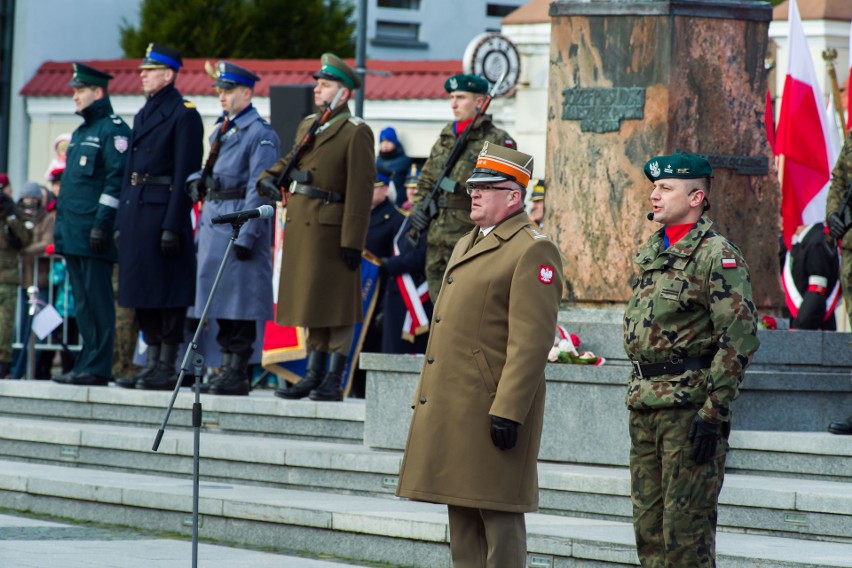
column 356, row 120
column 116, row 119
column 402, row 211
column 535, row 233
column 310, row 117
column 188, row 104
column 266, row 142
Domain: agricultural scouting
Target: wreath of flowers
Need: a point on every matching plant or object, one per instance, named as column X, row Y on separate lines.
column 565, row 350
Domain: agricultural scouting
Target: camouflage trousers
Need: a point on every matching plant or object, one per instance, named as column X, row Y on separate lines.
column 444, row 232
column 846, row 279
column 8, row 303
column 674, row 499
column 126, row 334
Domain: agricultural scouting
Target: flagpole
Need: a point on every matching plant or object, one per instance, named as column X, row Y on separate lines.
column 829, row 55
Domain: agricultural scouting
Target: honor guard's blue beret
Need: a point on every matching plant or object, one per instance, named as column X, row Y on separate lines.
column 335, row 69
column 85, row 76
column 159, row 56
column 680, row 166
column 229, row 76
column 468, row 83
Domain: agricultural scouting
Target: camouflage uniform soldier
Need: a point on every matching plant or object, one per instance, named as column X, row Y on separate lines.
column 690, row 330
column 839, row 223
column 467, row 92
column 14, row 237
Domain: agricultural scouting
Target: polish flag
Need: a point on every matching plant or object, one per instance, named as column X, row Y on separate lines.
column 806, row 152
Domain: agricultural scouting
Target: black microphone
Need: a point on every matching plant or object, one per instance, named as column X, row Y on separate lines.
column 650, row 216
column 262, row 212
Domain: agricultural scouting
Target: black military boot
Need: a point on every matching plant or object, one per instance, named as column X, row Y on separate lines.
column 164, row 376
column 313, row 376
column 224, row 366
column 235, row 381
column 153, row 354
column 330, row 389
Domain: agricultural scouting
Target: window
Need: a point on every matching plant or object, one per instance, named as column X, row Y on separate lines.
column 399, row 4
column 500, row 10
column 398, row 34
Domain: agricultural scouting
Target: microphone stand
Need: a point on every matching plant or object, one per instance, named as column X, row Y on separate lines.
column 197, row 360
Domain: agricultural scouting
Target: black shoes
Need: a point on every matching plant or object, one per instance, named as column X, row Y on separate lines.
column 153, row 354
column 313, row 377
column 330, row 388
column 842, row 428
column 82, row 379
column 233, row 379
column 163, row 377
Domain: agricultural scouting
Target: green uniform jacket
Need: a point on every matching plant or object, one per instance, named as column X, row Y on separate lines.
column 491, row 331
column 91, row 183
column 483, row 131
column 841, row 176
column 691, row 300
column 316, row 288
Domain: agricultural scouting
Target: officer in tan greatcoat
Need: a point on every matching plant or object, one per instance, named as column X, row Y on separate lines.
column 328, row 200
column 479, row 405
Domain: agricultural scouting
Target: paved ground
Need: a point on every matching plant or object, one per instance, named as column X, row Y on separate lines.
column 33, row 543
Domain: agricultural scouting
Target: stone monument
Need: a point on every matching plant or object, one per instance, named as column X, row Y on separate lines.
column 631, row 79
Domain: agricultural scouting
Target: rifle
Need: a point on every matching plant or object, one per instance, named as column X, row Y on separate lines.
column 443, row 182
column 207, row 171
column 302, row 146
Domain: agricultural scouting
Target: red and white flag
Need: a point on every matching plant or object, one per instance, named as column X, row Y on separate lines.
column 806, row 151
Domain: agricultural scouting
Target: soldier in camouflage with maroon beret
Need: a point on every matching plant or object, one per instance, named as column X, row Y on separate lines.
column 690, row 330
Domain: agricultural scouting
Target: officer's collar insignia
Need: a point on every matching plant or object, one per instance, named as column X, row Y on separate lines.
column 654, row 169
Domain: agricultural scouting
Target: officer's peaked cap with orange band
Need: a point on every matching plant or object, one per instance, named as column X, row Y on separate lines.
column 497, row 163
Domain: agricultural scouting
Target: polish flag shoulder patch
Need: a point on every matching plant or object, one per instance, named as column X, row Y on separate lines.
column 729, row 263
column 545, row 273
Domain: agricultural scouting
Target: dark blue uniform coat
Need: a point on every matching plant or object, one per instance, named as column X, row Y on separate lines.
column 245, row 290
column 166, row 141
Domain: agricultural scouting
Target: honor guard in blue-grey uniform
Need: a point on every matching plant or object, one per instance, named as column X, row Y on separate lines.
column 156, row 253
column 85, row 214
column 242, row 146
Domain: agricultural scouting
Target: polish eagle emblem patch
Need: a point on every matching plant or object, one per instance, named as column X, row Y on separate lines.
column 120, row 143
column 654, row 168
column 545, row 274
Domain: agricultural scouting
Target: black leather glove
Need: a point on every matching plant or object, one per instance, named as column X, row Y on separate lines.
column 419, row 219
column 704, row 437
column 196, row 190
column 350, row 257
column 266, row 188
column 504, row 432
column 243, row 253
column 169, row 244
column 97, row 240
column 838, row 225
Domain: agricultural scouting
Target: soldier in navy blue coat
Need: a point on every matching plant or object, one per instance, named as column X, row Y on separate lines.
column 156, row 256
column 247, row 146
column 86, row 210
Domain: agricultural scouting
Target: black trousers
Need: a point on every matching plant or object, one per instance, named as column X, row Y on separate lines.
column 236, row 336
column 160, row 325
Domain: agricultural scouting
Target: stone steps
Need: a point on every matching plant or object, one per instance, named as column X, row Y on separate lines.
column 781, row 506
column 372, row 529
column 260, row 414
